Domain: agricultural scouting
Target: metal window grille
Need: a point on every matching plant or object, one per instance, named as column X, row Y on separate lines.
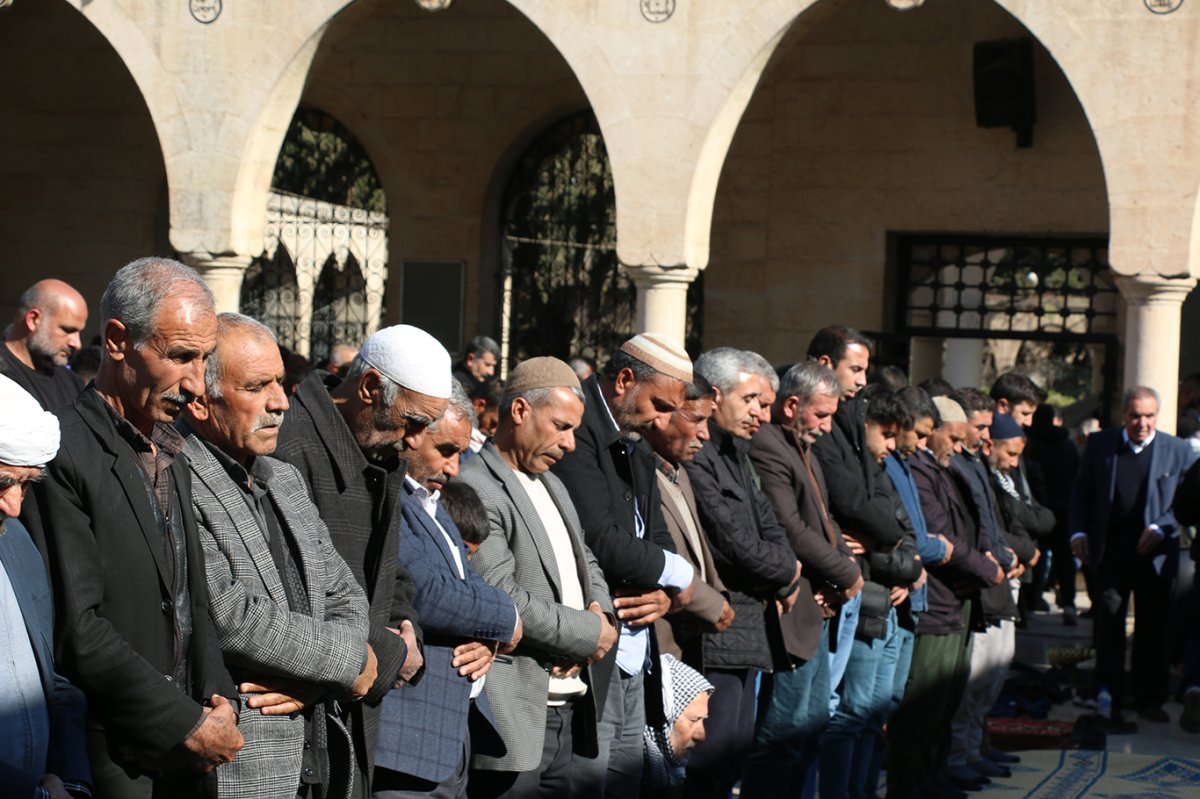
column 1017, row 286
column 323, row 276
column 562, row 291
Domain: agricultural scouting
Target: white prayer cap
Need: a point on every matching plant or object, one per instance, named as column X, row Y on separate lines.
column 411, row 357
column 28, row 434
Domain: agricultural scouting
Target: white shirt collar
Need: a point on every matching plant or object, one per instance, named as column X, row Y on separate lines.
column 428, row 501
column 1137, row 448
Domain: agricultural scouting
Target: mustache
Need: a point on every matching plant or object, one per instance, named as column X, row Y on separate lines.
column 182, row 398
column 268, row 419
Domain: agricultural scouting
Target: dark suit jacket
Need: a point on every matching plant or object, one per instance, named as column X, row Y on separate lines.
column 604, row 483
column 95, row 524
column 358, row 501
column 1091, row 501
column 422, row 727
column 679, row 633
column 775, row 454
column 67, row 753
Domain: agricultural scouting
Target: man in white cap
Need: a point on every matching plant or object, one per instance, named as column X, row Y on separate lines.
column 43, row 752
column 345, row 438
column 610, row 477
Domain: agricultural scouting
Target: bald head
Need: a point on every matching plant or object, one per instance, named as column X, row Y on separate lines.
column 50, row 317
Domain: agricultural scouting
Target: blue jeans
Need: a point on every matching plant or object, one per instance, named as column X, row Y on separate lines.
column 906, row 640
column 847, row 624
column 792, row 713
column 847, row 747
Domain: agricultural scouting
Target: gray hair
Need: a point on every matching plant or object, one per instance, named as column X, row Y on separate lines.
column 482, row 344
column 721, row 366
column 139, row 288
column 807, row 380
column 536, row 397
column 460, row 407
column 225, row 322
column 389, row 389
column 763, row 368
column 1140, row 392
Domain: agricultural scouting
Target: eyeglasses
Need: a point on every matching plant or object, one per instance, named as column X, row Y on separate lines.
column 7, row 483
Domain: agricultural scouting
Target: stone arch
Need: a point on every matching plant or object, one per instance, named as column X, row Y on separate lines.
column 81, row 169
column 438, row 100
column 863, row 126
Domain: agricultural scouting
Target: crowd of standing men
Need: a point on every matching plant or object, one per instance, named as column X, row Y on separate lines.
column 405, row 580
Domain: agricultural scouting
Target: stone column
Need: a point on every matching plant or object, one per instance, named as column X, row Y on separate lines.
column 223, row 274
column 1152, row 316
column 662, row 299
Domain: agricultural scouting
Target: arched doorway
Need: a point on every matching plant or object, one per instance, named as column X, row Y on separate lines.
column 82, row 178
column 562, row 290
column 860, row 152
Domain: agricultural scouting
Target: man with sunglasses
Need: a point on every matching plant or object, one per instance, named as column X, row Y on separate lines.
column 345, row 438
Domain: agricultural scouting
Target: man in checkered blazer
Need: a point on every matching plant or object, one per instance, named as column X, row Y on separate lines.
column 291, row 619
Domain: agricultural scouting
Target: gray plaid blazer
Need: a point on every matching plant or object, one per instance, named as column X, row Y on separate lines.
column 257, row 631
column 518, row 557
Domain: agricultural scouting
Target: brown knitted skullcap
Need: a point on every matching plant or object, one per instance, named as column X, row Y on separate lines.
column 661, row 354
column 543, row 372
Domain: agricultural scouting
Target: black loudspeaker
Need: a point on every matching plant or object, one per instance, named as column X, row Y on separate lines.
column 1004, row 89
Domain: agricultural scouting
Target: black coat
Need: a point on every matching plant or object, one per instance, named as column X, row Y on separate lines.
column 604, row 481
column 750, row 549
column 358, row 501
column 115, row 634
column 859, row 499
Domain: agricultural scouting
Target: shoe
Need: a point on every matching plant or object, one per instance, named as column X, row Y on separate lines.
column 1040, row 605
column 989, row 769
column 966, row 778
column 1154, row 714
column 1190, row 718
column 1069, row 617
column 946, row 790
column 1116, row 725
column 1087, row 614
column 1003, row 758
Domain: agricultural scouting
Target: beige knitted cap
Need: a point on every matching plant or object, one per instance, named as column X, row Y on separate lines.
column 949, row 410
column 542, row 372
column 660, row 353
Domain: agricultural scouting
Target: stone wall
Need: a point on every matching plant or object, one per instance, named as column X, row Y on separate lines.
column 863, row 123
column 82, row 185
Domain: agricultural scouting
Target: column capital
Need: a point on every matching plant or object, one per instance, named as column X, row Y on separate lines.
column 1146, row 289
column 653, row 275
column 206, row 262
column 223, row 273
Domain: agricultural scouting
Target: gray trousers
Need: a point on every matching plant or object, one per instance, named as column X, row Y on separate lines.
column 991, row 655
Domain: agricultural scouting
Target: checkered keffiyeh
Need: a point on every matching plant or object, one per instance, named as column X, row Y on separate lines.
column 680, row 685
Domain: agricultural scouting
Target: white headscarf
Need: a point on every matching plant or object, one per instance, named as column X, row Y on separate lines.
column 28, row 434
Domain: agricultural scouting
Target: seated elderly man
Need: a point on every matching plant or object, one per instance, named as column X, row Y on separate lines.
column 43, row 752
column 291, row 619
column 667, row 746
